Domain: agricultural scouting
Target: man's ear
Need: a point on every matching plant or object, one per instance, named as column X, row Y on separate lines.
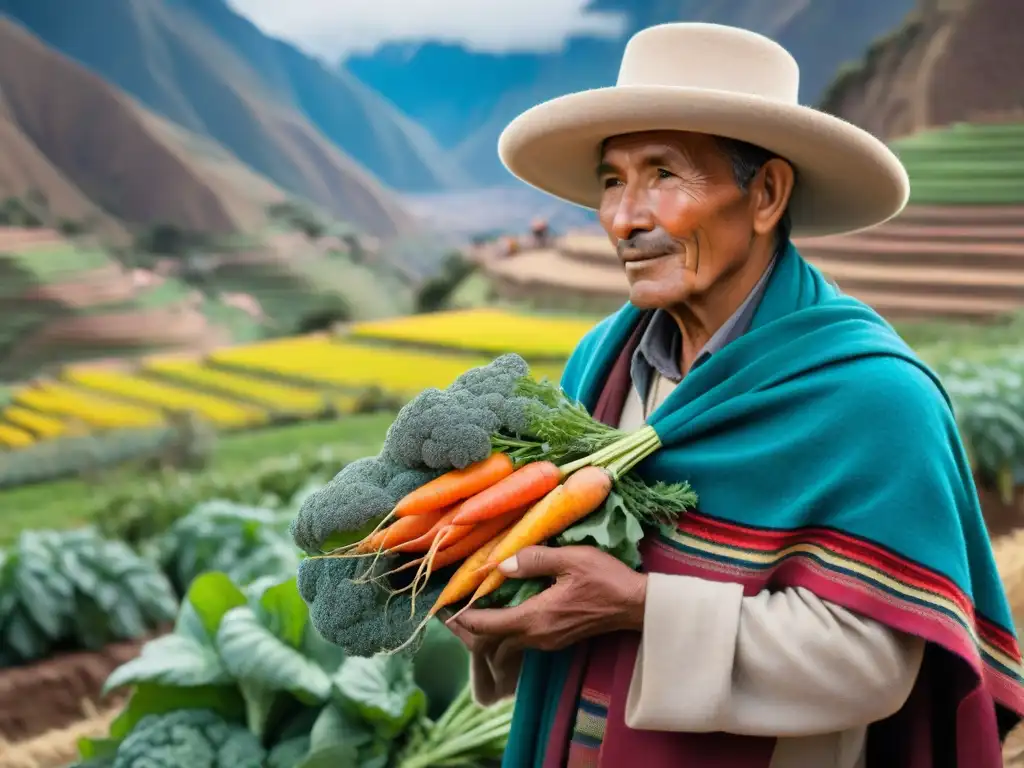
column 770, row 192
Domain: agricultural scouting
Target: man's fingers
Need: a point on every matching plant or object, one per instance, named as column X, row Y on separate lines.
column 532, row 562
column 494, row 621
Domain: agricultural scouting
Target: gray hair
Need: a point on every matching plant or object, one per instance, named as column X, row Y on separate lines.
column 747, row 159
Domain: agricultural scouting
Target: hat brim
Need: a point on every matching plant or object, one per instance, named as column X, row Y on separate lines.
column 848, row 180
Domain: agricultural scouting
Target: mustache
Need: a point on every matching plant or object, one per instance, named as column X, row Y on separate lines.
column 653, row 243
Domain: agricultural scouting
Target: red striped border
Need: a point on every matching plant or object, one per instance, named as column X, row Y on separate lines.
column 850, row 590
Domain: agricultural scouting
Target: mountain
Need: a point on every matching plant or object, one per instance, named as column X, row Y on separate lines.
column 946, row 63
column 435, row 84
column 204, row 67
column 94, row 153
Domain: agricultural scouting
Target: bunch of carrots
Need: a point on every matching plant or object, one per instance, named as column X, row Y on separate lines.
column 479, row 516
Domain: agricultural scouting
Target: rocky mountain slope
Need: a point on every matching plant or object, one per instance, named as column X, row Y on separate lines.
column 950, row 61
column 198, row 64
column 91, row 150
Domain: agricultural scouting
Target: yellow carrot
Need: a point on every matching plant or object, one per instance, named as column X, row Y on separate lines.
column 583, row 492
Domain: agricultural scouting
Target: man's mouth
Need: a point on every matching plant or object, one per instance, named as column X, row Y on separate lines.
column 640, row 258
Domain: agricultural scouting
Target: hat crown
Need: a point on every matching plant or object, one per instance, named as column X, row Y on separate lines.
column 710, row 57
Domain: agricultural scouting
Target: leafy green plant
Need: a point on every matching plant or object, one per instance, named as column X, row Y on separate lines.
column 75, row 590
column 988, row 399
column 63, row 457
column 251, row 657
column 139, row 513
column 245, row 542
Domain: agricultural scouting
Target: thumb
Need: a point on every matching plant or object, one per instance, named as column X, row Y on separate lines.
column 533, row 561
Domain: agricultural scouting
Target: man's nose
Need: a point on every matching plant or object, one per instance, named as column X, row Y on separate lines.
column 633, row 215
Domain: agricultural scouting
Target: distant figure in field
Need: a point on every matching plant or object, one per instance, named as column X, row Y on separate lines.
column 541, row 233
column 509, row 246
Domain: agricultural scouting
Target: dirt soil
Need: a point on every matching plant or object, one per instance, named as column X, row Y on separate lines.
column 56, row 692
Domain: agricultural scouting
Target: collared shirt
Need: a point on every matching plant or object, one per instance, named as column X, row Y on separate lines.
column 660, row 346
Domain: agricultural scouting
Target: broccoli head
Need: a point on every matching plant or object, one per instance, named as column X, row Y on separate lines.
column 198, row 738
column 358, row 617
column 437, row 431
column 351, row 504
column 408, row 481
column 452, row 428
column 500, row 375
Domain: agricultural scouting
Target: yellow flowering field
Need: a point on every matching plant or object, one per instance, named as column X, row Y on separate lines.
column 282, row 398
column 244, row 386
column 217, row 410
column 38, row 424
column 492, row 331
column 349, row 365
column 14, row 437
column 95, row 410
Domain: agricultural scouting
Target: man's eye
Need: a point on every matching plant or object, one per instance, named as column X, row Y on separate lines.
column 610, row 182
column 663, row 174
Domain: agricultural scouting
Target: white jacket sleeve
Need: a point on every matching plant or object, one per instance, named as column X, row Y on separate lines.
column 778, row 664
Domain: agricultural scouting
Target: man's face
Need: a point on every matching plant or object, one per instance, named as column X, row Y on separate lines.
column 671, row 206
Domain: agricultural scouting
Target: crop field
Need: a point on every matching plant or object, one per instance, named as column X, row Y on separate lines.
column 248, row 386
column 485, row 330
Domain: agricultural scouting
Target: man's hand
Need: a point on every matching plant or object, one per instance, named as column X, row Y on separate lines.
column 593, row 594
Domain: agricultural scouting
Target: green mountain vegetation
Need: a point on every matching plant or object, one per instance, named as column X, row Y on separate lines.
column 965, row 164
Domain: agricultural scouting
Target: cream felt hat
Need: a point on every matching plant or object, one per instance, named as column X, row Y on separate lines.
column 720, row 80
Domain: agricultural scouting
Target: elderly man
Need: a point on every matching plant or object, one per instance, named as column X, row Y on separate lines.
column 834, row 603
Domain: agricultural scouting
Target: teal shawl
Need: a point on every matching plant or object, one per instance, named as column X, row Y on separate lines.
column 825, row 455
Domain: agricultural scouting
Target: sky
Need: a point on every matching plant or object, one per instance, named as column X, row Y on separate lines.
column 331, row 29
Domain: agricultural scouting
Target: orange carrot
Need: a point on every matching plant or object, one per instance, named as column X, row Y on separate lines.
column 443, row 553
column 460, row 585
column 422, row 542
column 583, row 491
column 472, row 542
column 468, row 577
column 526, row 485
column 480, row 535
column 490, row 582
column 402, row 530
column 454, row 486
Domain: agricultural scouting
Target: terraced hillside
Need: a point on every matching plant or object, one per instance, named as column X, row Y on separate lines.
column 957, row 250
column 65, row 301
column 247, row 386
column 293, row 280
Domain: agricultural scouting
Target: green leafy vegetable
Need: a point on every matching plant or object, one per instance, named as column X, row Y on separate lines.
column 612, row 529
column 250, row 659
column 62, row 589
column 380, row 691
column 244, row 542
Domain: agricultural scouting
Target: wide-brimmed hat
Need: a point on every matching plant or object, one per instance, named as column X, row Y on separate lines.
column 719, row 80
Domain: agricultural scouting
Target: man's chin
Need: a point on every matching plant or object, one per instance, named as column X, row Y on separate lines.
column 649, row 294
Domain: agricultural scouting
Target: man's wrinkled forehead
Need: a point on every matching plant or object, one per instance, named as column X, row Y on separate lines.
column 648, row 146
